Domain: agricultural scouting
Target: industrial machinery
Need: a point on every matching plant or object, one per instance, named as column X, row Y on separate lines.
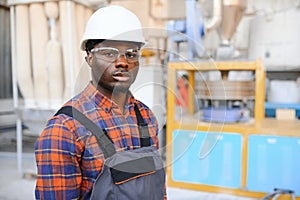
column 224, row 96
column 225, row 20
column 222, row 142
column 227, row 100
column 245, row 159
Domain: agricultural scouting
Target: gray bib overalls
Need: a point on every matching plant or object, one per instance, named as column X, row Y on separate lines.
column 127, row 175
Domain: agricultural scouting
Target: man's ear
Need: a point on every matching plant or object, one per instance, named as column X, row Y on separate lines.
column 88, row 58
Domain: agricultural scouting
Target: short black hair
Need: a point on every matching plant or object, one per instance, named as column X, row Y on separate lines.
column 90, row 44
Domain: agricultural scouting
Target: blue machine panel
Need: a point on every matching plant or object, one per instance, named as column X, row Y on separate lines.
column 273, row 162
column 207, row 158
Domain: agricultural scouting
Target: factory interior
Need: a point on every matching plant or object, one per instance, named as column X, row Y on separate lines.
column 221, row 76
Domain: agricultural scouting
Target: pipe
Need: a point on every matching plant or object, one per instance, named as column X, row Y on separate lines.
column 15, row 91
column 70, row 49
column 215, row 21
column 66, row 40
column 13, row 55
column 233, row 12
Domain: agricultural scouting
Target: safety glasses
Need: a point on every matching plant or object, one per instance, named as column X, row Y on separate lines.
column 111, row 54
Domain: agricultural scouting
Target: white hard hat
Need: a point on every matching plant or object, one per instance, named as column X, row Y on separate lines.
column 113, row 23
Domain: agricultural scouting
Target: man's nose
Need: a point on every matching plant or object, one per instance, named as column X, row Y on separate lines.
column 121, row 61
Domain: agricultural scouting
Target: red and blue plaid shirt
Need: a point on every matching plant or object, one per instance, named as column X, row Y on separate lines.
column 67, row 155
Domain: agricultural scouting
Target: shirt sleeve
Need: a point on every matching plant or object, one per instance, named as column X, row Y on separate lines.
column 57, row 153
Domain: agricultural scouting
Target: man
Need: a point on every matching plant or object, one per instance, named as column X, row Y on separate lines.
column 102, row 143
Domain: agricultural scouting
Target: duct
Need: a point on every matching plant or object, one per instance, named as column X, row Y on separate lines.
column 233, row 11
column 216, row 19
column 194, row 29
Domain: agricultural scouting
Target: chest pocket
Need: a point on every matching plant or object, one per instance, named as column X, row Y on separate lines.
column 133, row 175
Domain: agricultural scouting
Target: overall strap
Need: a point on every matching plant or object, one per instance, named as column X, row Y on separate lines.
column 143, row 128
column 103, row 140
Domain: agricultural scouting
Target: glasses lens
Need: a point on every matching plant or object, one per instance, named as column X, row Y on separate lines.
column 132, row 55
column 107, row 54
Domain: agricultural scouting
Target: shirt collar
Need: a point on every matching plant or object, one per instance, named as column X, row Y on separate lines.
column 102, row 101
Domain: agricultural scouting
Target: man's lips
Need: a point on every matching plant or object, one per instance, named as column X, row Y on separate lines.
column 121, row 76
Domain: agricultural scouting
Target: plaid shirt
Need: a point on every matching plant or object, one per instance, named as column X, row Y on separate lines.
column 67, row 155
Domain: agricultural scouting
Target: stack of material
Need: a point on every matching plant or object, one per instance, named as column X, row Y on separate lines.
column 225, row 90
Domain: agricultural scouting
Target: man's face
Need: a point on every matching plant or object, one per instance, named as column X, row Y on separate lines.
column 112, row 71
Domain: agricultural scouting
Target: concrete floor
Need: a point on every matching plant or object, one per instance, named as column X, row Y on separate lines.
column 12, row 185
column 15, row 186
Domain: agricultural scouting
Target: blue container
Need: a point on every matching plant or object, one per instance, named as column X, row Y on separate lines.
column 207, row 158
column 270, row 108
column 223, row 115
column 273, row 162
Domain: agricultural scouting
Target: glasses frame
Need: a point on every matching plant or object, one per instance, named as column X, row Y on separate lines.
column 128, row 59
